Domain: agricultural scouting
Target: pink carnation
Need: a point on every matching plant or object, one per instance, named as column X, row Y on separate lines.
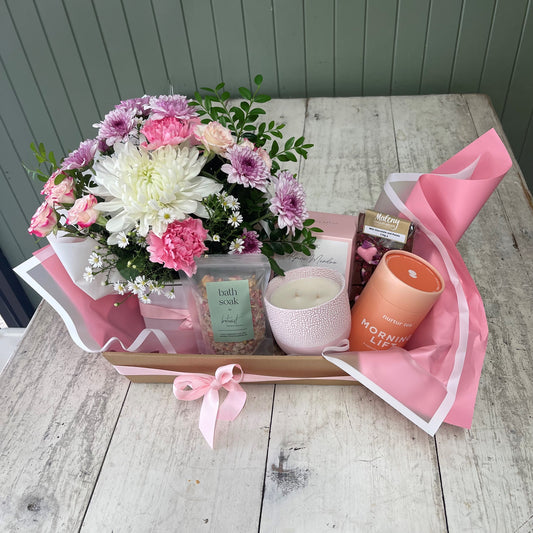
column 62, row 193
column 167, row 131
column 82, row 212
column 179, row 245
column 43, row 221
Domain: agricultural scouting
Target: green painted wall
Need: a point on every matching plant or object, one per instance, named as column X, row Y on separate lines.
column 65, row 63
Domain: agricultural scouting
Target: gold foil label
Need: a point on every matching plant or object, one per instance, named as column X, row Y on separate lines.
column 386, row 226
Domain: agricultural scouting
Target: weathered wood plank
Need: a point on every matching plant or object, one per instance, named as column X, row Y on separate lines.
column 513, row 191
column 59, row 409
column 485, row 471
column 160, row 474
column 338, row 458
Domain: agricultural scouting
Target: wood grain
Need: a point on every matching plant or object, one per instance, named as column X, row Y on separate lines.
column 59, row 409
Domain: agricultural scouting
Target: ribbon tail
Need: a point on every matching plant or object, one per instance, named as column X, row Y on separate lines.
column 208, row 416
column 232, row 404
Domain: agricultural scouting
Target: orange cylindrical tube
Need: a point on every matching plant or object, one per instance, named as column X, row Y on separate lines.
column 398, row 296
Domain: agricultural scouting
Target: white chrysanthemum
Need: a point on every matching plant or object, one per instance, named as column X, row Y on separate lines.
column 137, row 184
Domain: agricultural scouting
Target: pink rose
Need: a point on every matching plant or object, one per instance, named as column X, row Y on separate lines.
column 167, row 131
column 82, row 212
column 179, row 245
column 62, row 193
column 44, row 221
column 215, row 137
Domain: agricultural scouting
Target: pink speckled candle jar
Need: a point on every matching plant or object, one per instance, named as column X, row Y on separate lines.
column 308, row 309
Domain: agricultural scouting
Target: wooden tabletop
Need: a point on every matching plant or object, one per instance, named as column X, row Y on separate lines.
column 83, row 449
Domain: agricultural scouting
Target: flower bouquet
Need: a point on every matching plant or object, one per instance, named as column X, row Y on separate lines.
column 168, row 179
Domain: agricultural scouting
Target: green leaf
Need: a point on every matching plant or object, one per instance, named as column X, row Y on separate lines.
column 317, row 230
column 245, row 106
column 225, row 96
column 245, row 93
column 258, row 80
column 262, row 98
column 309, row 221
column 274, row 148
column 277, row 134
column 291, row 157
column 208, row 89
column 220, row 86
column 289, row 144
column 278, row 271
column 299, row 141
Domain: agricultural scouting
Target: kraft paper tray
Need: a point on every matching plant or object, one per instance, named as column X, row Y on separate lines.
column 299, row 368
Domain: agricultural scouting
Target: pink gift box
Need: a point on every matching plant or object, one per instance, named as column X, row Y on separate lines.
column 334, row 247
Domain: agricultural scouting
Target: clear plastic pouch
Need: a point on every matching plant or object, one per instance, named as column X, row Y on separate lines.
column 228, row 294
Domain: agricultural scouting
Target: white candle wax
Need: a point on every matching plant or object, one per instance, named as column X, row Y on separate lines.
column 304, row 293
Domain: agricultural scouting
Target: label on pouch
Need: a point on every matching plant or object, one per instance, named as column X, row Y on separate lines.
column 230, row 310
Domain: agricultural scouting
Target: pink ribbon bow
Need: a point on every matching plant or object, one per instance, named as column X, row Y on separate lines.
column 193, row 386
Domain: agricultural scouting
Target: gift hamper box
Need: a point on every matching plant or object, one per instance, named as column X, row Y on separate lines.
column 168, row 181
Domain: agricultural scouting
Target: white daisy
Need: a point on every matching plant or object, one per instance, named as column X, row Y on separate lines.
column 216, row 238
column 233, row 203
column 88, row 274
column 236, row 246
column 95, row 260
column 122, row 239
column 144, row 299
column 235, row 219
column 119, row 287
column 170, row 294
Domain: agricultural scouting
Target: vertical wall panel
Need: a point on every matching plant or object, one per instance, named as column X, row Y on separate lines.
column 440, row 46
column 410, row 45
column 202, row 41
column 349, row 47
column 232, row 44
column 18, row 73
column 260, row 40
column 63, row 49
column 146, row 46
column 380, row 36
column 41, row 61
column 526, row 155
column 118, row 44
column 502, row 49
column 94, row 56
column 472, row 41
column 519, row 103
column 175, row 45
column 290, row 47
column 319, row 47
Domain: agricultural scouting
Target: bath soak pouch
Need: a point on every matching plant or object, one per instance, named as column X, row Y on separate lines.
column 228, row 294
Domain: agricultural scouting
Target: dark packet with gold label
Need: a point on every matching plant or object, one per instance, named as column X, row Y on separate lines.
column 377, row 233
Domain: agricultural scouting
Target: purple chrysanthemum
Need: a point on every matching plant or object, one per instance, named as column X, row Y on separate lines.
column 252, row 244
column 175, row 105
column 116, row 126
column 82, row 156
column 137, row 106
column 247, row 168
column 289, row 202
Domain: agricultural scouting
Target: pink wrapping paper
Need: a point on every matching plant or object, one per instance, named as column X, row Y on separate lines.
column 435, row 378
